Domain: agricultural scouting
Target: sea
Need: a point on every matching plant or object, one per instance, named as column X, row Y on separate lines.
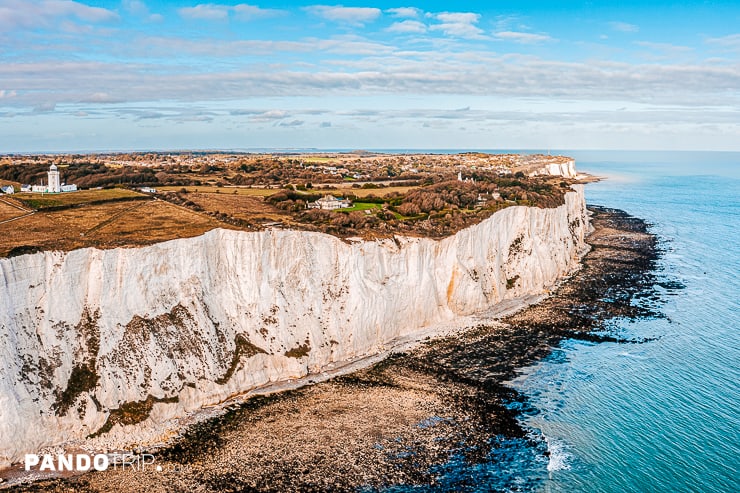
column 662, row 415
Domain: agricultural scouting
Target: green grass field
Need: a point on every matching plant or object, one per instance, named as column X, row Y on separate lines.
column 378, row 192
column 360, row 206
column 309, row 160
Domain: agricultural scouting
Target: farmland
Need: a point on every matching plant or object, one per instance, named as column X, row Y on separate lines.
column 103, row 225
column 417, row 195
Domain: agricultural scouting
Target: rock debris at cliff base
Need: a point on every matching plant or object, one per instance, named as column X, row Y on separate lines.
column 400, row 421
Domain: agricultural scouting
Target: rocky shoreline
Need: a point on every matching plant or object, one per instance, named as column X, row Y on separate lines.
column 415, row 416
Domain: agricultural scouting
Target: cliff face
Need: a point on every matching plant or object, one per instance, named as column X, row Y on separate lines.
column 565, row 168
column 119, row 341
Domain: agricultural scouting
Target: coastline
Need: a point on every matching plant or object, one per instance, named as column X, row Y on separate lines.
column 277, row 290
column 401, row 420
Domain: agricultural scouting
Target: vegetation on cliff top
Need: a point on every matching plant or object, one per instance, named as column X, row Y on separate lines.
column 422, row 195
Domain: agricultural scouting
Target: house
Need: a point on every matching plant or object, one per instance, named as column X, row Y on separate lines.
column 466, row 180
column 481, row 201
column 8, row 189
column 329, row 203
column 25, row 188
column 148, row 190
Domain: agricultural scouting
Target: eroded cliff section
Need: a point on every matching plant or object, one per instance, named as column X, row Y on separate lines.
column 113, row 343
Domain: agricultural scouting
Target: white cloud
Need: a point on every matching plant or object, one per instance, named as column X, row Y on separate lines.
column 100, row 97
column 348, row 15
column 76, row 9
column 405, row 12
column 214, row 12
column 22, row 14
column 510, row 23
column 164, row 46
column 440, row 73
column 731, row 42
column 269, row 116
column 664, row 47
column 293, row 123
column 245, row 11
column 192, row 118
column 6, row 94
column 205, row 11
column 624, row 27
column 136, row 7
column 140, row 9
column 407, row 26
column 459, row 17
column 458, row 24
column 523, row 38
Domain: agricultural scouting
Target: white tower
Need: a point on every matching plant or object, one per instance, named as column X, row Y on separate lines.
column 54, row 185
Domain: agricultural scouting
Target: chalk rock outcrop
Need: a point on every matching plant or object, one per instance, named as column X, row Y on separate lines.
column 566, row 169
column 115, row 342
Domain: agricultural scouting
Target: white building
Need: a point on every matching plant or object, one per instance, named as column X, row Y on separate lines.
column 329, row 203
column 55, row 185
column 466, row 180
column 8, row 189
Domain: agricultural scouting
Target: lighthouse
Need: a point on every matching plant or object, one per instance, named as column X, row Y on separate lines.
column 54, row 183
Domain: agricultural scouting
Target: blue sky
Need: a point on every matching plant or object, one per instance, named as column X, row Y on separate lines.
column 138, row 75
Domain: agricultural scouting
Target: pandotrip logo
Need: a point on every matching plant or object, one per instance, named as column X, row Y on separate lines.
column 86, row 462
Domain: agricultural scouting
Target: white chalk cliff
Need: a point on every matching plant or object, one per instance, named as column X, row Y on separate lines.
column 165, row 329
column 558, row 168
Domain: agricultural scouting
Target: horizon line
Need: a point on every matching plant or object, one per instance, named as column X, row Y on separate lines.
column 317, row 150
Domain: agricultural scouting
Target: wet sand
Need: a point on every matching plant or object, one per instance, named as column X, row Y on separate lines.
column 400, row 420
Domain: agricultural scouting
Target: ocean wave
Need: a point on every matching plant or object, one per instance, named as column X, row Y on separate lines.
column 559, row 456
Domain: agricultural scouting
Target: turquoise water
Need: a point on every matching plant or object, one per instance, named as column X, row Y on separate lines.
column 663, row 415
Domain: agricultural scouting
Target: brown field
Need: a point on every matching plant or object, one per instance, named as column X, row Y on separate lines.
column 253, row 192
column 111, row 225
column 242, row 206
column 8, row 211
column 345, row 187
column 40, row 201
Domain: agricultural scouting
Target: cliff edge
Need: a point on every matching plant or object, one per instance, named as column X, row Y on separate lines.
column 112, row 343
